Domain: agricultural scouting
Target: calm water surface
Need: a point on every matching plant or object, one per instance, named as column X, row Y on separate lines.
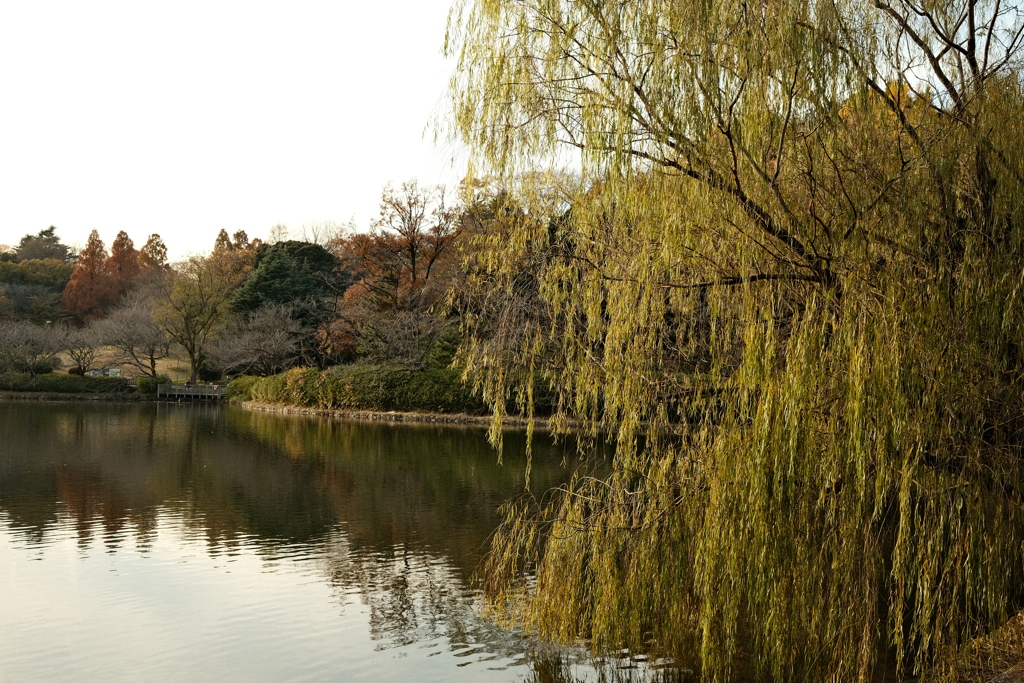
column 209, row 543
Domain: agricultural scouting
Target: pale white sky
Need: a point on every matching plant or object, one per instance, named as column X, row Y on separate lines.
column 186, row 117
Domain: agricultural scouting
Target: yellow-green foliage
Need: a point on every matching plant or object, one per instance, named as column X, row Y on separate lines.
column 51, row 273
column 150, row 385
column 788, row 281
column 363, row 387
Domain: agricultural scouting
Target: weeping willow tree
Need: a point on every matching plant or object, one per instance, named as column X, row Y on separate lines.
column 789, row 286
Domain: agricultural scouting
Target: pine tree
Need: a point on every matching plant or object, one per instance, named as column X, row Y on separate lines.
column 279, row 279
column 43, row 245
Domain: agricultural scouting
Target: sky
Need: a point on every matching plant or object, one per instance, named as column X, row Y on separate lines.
column 183, row 118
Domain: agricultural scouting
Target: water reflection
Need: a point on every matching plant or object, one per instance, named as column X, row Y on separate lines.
column 299, row 547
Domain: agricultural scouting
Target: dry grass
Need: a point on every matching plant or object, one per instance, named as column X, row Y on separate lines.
column 997, row 657
column 174, row 367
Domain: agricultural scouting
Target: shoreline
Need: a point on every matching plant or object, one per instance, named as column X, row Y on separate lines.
column 454, row 419
column 71, row 396
column 509, row 421
column 513, row 422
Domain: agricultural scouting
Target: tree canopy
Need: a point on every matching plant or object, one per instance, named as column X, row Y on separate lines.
column 317, row 259
column 195, row 306
column 278, row 279
column 153, row 255
column 43, row 245
column 788, row 281
column 123, row 265
column 90, row 290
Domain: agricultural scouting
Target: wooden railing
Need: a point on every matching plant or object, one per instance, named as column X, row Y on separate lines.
column 191, row 391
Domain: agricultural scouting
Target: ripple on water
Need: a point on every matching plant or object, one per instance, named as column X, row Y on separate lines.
column 173, row 603
column 202, row 543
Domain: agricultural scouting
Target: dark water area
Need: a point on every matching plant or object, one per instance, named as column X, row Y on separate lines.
column 209, row 543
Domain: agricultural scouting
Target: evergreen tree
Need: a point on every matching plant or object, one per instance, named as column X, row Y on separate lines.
column 317, row 259
column 278, row 279
column 43, row 245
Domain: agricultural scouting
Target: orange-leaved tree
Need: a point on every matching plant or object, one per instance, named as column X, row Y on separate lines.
column 395, row 264
column 123, row 265
column 401, row 272
column 90, row 290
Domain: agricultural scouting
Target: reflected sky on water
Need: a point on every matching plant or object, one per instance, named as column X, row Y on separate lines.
column 207, row 542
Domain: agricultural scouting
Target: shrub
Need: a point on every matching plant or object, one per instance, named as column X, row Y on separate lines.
column 443, row 351
column 240, row 388
column 208, row 374
column 148, row 385
column 65, row 384
column 39, row 367
column 368, row 387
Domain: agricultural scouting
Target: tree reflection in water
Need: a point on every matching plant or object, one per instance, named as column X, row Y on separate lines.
column 395, row 517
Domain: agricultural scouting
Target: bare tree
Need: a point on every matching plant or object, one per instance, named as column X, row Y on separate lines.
column 404, row 337
column 82, row 345
column 196, row 305
column 278, row 233
column 25, row 347
column 139, row 341
column 264, row 343
column 325, row 233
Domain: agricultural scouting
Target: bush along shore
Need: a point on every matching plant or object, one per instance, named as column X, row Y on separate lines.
column 360, row 388
column 71, row 386
column 29, row 385
column 363, row 387
column 364, row 391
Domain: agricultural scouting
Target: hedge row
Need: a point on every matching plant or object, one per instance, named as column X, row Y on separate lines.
column 363, row 387
column 64, row 384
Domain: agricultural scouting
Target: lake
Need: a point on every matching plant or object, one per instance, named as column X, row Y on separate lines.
column 163, row 541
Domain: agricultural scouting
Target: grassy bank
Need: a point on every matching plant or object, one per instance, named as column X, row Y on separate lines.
column 363, row 387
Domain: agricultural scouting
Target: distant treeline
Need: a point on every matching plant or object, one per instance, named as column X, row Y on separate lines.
column 379, row 298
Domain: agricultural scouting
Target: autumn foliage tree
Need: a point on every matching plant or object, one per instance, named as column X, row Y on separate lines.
column 233, row 259
column 399, row 270
column 153, row 255
column 397, row 261
column 123, row 265
column 90, row 290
